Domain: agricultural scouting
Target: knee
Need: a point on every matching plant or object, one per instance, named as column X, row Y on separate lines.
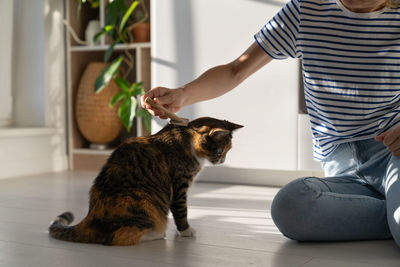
column 292, row 207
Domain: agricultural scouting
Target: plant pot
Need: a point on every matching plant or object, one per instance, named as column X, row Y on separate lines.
column 97, row 122
column 141, row 32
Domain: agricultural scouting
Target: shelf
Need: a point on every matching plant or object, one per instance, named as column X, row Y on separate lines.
column 83, row 48
column 81, row 157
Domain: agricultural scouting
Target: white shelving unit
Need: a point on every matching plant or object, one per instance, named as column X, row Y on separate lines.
column 81, row 157
column 135, row 46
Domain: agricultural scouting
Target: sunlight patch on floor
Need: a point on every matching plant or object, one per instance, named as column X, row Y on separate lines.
column 251, row 221
column 232, row 196
column 238, row 192
column 196, row 212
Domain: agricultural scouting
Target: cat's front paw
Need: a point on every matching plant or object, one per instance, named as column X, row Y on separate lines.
column 190, row 232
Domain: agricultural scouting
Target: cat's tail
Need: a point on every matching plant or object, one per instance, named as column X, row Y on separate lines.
column 60, row 229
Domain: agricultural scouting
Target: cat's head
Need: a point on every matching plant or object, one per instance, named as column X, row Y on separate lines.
column 212, row 138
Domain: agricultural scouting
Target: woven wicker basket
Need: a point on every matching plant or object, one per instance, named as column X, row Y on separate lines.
column 97, row 122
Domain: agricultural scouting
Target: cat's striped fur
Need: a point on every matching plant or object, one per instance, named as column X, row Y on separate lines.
column 143, row 179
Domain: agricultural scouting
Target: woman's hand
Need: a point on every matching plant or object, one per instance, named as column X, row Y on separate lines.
column 391, row 139
column 171, row 99
column 212, row 83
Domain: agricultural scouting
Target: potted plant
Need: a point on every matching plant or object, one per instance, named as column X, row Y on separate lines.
column 141, row 28
column 118, row 27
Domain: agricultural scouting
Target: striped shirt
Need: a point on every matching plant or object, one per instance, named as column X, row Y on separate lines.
column 350, row 63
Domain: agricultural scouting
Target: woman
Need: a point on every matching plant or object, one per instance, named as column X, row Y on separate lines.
column 350, row 52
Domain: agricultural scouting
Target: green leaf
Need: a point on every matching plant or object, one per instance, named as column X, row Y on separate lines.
column 124, row 113
column 94, row 3
column 113, row 16
column 116, row 98
column 120, row 7
column 122, row 83
column 105, row 30
column 147, row 123
column 127, row 14
column 137, row 89
column 98, row 35
column 109, row 52
column 108, row 28
column 141, row 112
column 106, row 75
column 78, row 10
column 133, row 108
column 127, row 112
column 111, row 13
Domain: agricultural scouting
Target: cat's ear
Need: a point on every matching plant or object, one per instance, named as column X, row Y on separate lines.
column 232, row 126
column 219, row 133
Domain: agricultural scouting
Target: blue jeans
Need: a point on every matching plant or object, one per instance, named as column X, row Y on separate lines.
column 358, row 200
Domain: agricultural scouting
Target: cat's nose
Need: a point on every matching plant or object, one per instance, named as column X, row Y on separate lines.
column 221, row 160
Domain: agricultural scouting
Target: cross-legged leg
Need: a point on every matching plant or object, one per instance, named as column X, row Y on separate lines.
column 335, row 208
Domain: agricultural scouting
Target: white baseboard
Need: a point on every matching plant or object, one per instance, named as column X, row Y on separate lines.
column 5, row 122
column 263, row 177
column 27, row 151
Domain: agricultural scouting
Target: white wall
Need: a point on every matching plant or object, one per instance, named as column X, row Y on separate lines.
column 28, row 63
column 6, row 18
column 190, row 36
column 36, row 141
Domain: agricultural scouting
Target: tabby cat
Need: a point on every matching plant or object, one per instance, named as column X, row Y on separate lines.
column 142, row 180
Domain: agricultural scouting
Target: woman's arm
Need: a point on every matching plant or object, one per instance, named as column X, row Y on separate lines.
column 212, row 83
